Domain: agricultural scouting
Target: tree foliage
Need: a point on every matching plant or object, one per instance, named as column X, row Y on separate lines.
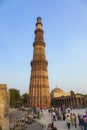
column 25, row 98
column 72, row 93
column 15, row 98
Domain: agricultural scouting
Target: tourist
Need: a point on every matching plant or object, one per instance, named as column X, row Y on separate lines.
column 49, row 111
column 75, row 120
column 51, row 114
column 60, row 115
column 64, row 117
column 81, row 122
column 79, row 118
column 71, row 118
column 54, row 116
column 39, row 115
column 86, row 110
column 51, row 127
column 68, row 121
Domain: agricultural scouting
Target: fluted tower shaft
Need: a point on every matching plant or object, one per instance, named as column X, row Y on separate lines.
column 39, row 93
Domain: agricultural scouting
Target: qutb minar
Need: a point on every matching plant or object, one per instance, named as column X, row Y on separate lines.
column 39, row 91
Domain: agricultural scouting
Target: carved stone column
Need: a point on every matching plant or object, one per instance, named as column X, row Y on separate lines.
column 4, row 107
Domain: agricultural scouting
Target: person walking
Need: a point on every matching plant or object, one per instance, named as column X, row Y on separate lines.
column 68, row 121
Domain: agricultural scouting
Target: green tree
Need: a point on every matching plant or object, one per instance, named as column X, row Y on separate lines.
column 72, row 93
column 15, row 98
column 25, row 98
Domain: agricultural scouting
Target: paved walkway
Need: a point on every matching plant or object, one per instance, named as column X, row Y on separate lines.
column 46, row 119
column 33, row 126
column 61, row 125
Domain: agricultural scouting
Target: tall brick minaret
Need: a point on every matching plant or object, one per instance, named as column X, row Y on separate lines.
column 39, row 93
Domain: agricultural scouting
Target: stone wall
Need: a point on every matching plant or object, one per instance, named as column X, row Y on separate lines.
column 4, row 107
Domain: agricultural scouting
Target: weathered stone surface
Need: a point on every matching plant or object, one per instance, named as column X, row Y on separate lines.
column 39, row 82
column 4, row 107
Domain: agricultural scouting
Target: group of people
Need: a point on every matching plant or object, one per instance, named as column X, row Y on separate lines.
column 71, row 118
column 66, row 115
column 56, row 114
column 82, row 121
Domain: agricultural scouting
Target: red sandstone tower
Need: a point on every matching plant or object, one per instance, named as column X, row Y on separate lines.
column 39, row 93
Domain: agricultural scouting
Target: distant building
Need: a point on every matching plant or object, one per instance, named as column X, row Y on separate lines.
column 57, row 92
column 60, row 98
column 85, row 100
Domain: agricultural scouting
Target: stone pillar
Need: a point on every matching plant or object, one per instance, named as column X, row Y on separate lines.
column 81, row 101
column 4, row 107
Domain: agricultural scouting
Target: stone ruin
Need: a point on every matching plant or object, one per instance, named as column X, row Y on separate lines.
column 4, row 107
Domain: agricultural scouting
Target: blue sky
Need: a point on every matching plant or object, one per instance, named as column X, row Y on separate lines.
column 65, row 35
